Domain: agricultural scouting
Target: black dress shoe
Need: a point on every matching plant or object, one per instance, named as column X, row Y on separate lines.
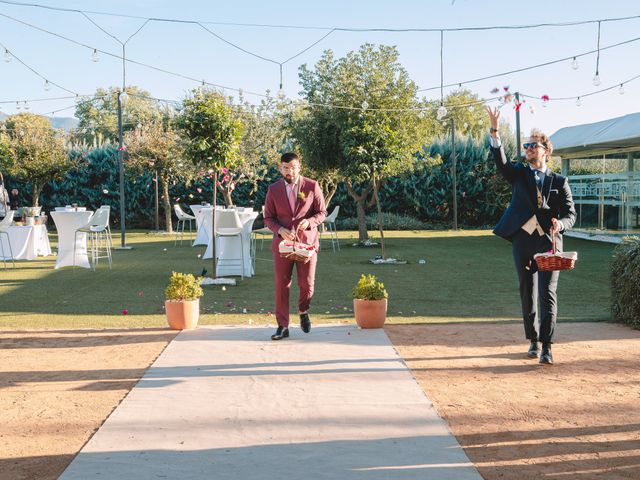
column 545, row 356
column 305, row 322
column 281, row 332
column 533, row 350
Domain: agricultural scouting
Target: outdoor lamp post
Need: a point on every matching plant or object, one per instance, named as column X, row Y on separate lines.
column 122, row 98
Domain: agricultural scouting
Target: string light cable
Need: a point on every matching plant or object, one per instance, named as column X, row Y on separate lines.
column 334, row 28
column 129, row 60
column 236, row 89
column 34, row 71
column 575, row 97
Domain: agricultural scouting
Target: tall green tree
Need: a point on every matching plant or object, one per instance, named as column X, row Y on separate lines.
column 211, row 135
column 376, row 130
column 155, row 147
column 263, row 139
column 33, row 151
column 98, row 113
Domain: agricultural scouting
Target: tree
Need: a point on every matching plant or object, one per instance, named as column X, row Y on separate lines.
column 377, row 129
column 34, row 151
column 98, row 114
column 263, row 139
column 155, row 147
column 468, row 114
column 211, row 138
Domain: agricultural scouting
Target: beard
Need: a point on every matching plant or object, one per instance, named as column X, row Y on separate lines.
column 289, row 179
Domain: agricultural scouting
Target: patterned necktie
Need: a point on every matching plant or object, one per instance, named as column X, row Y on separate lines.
column 292, row 197
column 538, row 176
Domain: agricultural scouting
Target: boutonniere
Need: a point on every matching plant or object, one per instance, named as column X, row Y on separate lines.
column 301, row 196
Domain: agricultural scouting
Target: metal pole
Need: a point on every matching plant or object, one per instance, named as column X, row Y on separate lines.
column 518, row 156
column 214, row 275
column 453, row 174
column 121, row 168
column 156, row 199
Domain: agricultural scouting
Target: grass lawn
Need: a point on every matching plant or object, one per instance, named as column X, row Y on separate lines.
column 468, row 276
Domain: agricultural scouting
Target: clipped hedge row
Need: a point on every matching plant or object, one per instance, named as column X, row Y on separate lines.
column 625, row 282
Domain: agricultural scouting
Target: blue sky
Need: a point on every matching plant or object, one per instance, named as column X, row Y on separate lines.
column 190, row 50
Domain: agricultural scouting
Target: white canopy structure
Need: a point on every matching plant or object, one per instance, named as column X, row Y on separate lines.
column 616, row 135
column 607, row 201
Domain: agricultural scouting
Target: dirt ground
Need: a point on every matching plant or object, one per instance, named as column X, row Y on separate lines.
column 516, row 419
column 578, row 419
column 57, row 387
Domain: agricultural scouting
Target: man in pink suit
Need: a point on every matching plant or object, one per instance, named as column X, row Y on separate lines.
column 294, row 208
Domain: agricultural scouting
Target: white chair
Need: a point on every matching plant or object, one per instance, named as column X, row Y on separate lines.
column 4, row 225
column 108, row 209
column 329, row 225
column 228, row 224
column 183, row 218
column 263, row 232
column 96, row 229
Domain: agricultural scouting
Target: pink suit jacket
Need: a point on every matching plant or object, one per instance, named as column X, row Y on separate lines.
column 277, row 211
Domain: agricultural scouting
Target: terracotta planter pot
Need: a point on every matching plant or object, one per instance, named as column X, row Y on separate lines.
column 370, row 313
column 182, row 315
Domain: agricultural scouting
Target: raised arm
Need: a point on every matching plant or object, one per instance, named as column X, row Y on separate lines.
column 504, row 166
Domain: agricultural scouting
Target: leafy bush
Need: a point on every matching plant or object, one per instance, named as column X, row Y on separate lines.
column 183, row 286
column 368, row 288
column 391, row 221
column 625, row 282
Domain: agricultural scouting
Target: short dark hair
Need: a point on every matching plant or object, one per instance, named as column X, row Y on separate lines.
column 289, row 157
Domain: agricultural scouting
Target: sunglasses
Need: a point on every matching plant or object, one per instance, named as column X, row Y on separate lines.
column 532, row 145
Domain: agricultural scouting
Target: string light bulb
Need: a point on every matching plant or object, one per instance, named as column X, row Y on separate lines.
column 578, row 102
column 18, row 107
column 26, row 105
column 574, row 64
column 95, row 56
column 47, row 86
column 471, row 108
column 281, row 94
column 621, row 89
column 7, row 56
column 596, row 80
column 442, row 112
column 364, row 105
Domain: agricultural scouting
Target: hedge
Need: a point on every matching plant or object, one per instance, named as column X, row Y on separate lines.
column 625, row 282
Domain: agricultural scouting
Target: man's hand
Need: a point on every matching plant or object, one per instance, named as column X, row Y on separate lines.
column 556, row 226
column 494, row 117
column 286, row 234
column 304, row 224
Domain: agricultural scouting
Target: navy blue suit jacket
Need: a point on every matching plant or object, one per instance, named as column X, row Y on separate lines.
column 557, row 201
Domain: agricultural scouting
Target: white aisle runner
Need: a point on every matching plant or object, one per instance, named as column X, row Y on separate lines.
column 228, row 403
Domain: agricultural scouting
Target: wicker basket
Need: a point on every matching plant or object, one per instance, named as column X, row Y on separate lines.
column 555, row 260
column 296, row 251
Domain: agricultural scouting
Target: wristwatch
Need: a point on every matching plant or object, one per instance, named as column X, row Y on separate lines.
column 493, row 130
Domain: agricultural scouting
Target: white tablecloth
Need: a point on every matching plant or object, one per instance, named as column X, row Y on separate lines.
column 228, row 248
column 201, row 235
column 66, row 224
column 27, row 242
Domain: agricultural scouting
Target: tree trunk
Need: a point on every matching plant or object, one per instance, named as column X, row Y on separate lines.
column 166, row 204
column 363, row 235
column 329, row 189
column 361, row 201
column 37, row 188
column 379, row 208
column 226, row 194
column 213, row 222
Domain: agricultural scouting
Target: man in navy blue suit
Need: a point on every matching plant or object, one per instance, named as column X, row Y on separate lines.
column 541, row 206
